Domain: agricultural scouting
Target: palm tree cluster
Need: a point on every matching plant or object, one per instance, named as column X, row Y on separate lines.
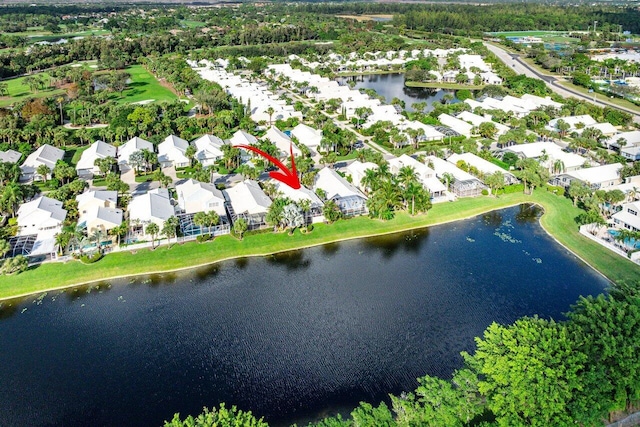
column 388, row 193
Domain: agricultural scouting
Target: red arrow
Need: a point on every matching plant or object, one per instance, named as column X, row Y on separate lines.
column 284, row 175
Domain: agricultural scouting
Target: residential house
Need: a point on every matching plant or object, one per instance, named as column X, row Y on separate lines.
column 194, row 197
column 482, row 165
column 152, row 207
column 10, row 156
column 628, row 217
column 424, row 173
column 172, row 152
column 301, row 194
column 348, row 198
column 576, row 123
column 477, row 120
column 131, row 146
column 282, row 141
column 247, row 200
column 462, row 183
column 38, row 223
column 208, row 149
column 598, row 178
column 628, row 143
column 45, row 155
column 86, row 167
column 358, row 170
column 550, row 155
column 459, row 126
column 307, row 136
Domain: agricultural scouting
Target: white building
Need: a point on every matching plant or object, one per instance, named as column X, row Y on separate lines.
column 460, row 126
column 300, row 195
column 576, row 123
column 348, row 198
column 477, row 120
column 10, row 156
column 358, row 170
column 424, row 173
column 628, row 217
column 307, row 136
column 152, row 207
column 627, row 142
column 45, row 155
column 247, row 200
column 484, row 166
column 42, row 216
column 282, row 141
column 598, row 178
column 194, row 196
column 98, row 150
column 131, row 146
column 208, row 149
column 171, row 152
column 463, row 184
column 552, row 152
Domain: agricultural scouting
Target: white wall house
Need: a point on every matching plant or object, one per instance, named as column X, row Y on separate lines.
column 131, row 146
column 464, row 184
column 348, row 198
column 299, row 195
column 307, row 136
column 194, row 196
column 425, row 174
column 208, row 149
column 282, row 141
column 247, row 200
column 598, row 178
column 98, row 211
column 628, row 217
column 10, row 156
column 484, row 166
column 460, row 126
column 45, row 155
column 152, row 207
column 357, row 170
column 43, row 216
column 171, row 152
column 98, row 150
column 575, row 122
column 627, row 142
column 477, row 120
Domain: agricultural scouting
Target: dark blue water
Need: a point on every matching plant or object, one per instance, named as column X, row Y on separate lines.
column 291, row 337
column 392, row 86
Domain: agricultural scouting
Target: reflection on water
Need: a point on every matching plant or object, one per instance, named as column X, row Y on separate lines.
column 292, row 337
column 392, row 86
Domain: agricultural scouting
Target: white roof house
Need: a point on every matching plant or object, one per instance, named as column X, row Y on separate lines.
column 100, row 218
column 464, row 184
column 477, row 120
column 307, row 135
column 247, row 200
column 553, row 151
column 630, row 144
column 298, row 195
column 208, row 149
column 606, row 128
column 573, row 122
column 482, row 165
column 171, row 152
column 10, row 156
column 97, row 150
column 195, row 196
column 628, row 217
column 45, row 155
column 152, row 207
column 357, row 171
column 599, row 177
column 282, row 141
column 242, row 138
column 102, row 198
column 42, row 216
column 425, row 174
column 348, row 198
column 131, row 146
column 460, row 126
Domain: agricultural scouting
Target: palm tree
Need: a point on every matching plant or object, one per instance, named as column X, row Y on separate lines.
column 200, row 219
column 153, row 230
column 270, row 112
column 4, row 89
column 4, row 248
column 169, row 228
column 12, row 196
column 44, row 171
column 407, row 174
column 448, row 179
column 558, row 167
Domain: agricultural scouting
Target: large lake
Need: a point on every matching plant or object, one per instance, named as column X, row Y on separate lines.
column 291, row 337
column 392, row 86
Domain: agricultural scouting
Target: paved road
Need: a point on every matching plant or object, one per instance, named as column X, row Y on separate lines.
column 521, row 67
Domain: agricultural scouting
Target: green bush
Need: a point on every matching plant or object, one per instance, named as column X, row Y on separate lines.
column 485, row 192
column 91, row 258
column 515, row 188
column 556, row 189
column 203, row 238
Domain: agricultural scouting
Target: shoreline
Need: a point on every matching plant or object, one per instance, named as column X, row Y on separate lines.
column 436, row 85
column 399, row 228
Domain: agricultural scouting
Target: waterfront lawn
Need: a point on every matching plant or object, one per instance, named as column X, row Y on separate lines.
column 443, row 85
column 558, row 220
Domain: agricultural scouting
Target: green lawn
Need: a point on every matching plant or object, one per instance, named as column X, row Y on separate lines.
column 72, row 154
column 19, row 91
column 143, row 86
column 599, row 96
column 558, row 220
column 192, row 24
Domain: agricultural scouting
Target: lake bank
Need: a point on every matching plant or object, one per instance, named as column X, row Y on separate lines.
column 440, row 85
column 558, row 221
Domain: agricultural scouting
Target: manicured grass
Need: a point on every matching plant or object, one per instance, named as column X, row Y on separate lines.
column 72, row 154
column 192, row 24
column 19, row 91
column 439, row 85
column 143, row 86
column 558, row 220
column 599, row 97
column 144, row 178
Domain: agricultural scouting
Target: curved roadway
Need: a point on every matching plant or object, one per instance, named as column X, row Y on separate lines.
column 519, row 66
